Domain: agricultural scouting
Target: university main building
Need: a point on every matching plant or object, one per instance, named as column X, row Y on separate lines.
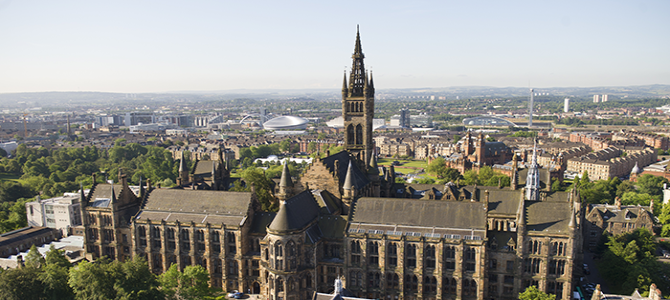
column 346, row 218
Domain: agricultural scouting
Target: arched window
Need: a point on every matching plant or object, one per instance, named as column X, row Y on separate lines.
column 392, row 254
column 373, row 254
column 374, row 279
column 410, row 256
column 429, row 255
column 359, row 134
column 290, row 248
column 392, row 281
column 351, row 137
column 411, row 283
column 429, row 285
column 355, row 252
column 469, row 287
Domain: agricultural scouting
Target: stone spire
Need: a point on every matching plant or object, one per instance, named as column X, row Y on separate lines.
column 515, row 173
column 345, row 90
column 348, row 192
column 357, row 78
column 533, row 179
column 348, row 180
column 285, row 184
column 286, row 177
column 183, row 170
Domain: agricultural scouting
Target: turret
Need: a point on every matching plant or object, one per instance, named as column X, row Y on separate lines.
column 533, row 179
column 514, row 182
column 345, row 89
column 348, row 192
column 183, row 170
column 285, row 184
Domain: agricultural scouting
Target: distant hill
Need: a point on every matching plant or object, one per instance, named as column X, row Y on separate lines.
column 68, row 100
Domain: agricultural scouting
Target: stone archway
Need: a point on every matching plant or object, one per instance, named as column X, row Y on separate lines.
column 255, row 288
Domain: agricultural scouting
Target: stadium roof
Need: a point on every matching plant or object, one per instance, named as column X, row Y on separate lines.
column 286, row 122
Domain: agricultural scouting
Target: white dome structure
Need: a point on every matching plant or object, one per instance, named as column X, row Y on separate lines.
column 286, row 122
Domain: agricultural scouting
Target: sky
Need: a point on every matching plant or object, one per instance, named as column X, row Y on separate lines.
column 167, row 46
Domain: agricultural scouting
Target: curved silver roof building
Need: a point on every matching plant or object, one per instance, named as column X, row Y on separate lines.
column 286, row 122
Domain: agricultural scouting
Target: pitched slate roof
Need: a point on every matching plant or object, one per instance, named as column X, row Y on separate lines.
column 625, row 214
column 359, row 178
column 547, row 216
column 261, row 222
column 296, row 213
column 205, row 206
column 101, row 195
column 504, row 201
column 425, row 213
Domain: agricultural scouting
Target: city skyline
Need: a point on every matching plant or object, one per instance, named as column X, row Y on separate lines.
column 213, row 46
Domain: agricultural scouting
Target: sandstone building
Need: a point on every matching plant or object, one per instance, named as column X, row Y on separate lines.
column 346, row 218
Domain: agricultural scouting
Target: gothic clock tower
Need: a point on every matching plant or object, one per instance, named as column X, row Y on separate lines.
column 358, row 107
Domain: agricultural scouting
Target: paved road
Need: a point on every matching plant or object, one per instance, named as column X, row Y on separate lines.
column 595, row 275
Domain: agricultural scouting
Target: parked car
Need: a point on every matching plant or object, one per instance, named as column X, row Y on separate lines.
column 232, row 294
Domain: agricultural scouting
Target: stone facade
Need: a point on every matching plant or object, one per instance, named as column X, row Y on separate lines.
column 338, row 221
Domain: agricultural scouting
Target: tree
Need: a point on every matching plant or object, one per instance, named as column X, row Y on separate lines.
column 451, row 175
column 193, row 283
column 437, row 167
column 584, row 180
column 20, row 284
column 285, row 145
column 137, row 281
column 34, row 259
column 94, row 280
column 532, row 293
column 652, row 185
column 311, row 147
column 555, row 185
column 54, row 275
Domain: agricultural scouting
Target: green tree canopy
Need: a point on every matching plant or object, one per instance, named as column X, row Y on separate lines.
column 532, row 293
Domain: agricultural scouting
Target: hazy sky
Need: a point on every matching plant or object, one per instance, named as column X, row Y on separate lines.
column 158, row 46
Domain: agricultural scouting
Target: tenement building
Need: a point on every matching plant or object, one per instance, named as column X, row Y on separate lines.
column 346, row 219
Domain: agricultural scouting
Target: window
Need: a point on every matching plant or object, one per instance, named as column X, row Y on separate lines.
column 429, row 254
column 279, row 256
column 373, row 254
column 449, row 252
column 469, row 287
column 557, row 267
column 232, row 243
column 410, row 255
column 449, row 286
column 411, row 283
column 429, row 285
column 470, row 259
column 493, row 264
column 509, row 279
column 535, row 247
column 510, row 266
column 374, row 279
column 356, row 278
column 200, row 240
column 232, row 267
column 558, row 248
column 392, row 254
column 355, row 252
column 392, row 281
column 532, row 265
column 155, row 232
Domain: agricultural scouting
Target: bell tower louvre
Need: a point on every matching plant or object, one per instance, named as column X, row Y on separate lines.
column 358, row 107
